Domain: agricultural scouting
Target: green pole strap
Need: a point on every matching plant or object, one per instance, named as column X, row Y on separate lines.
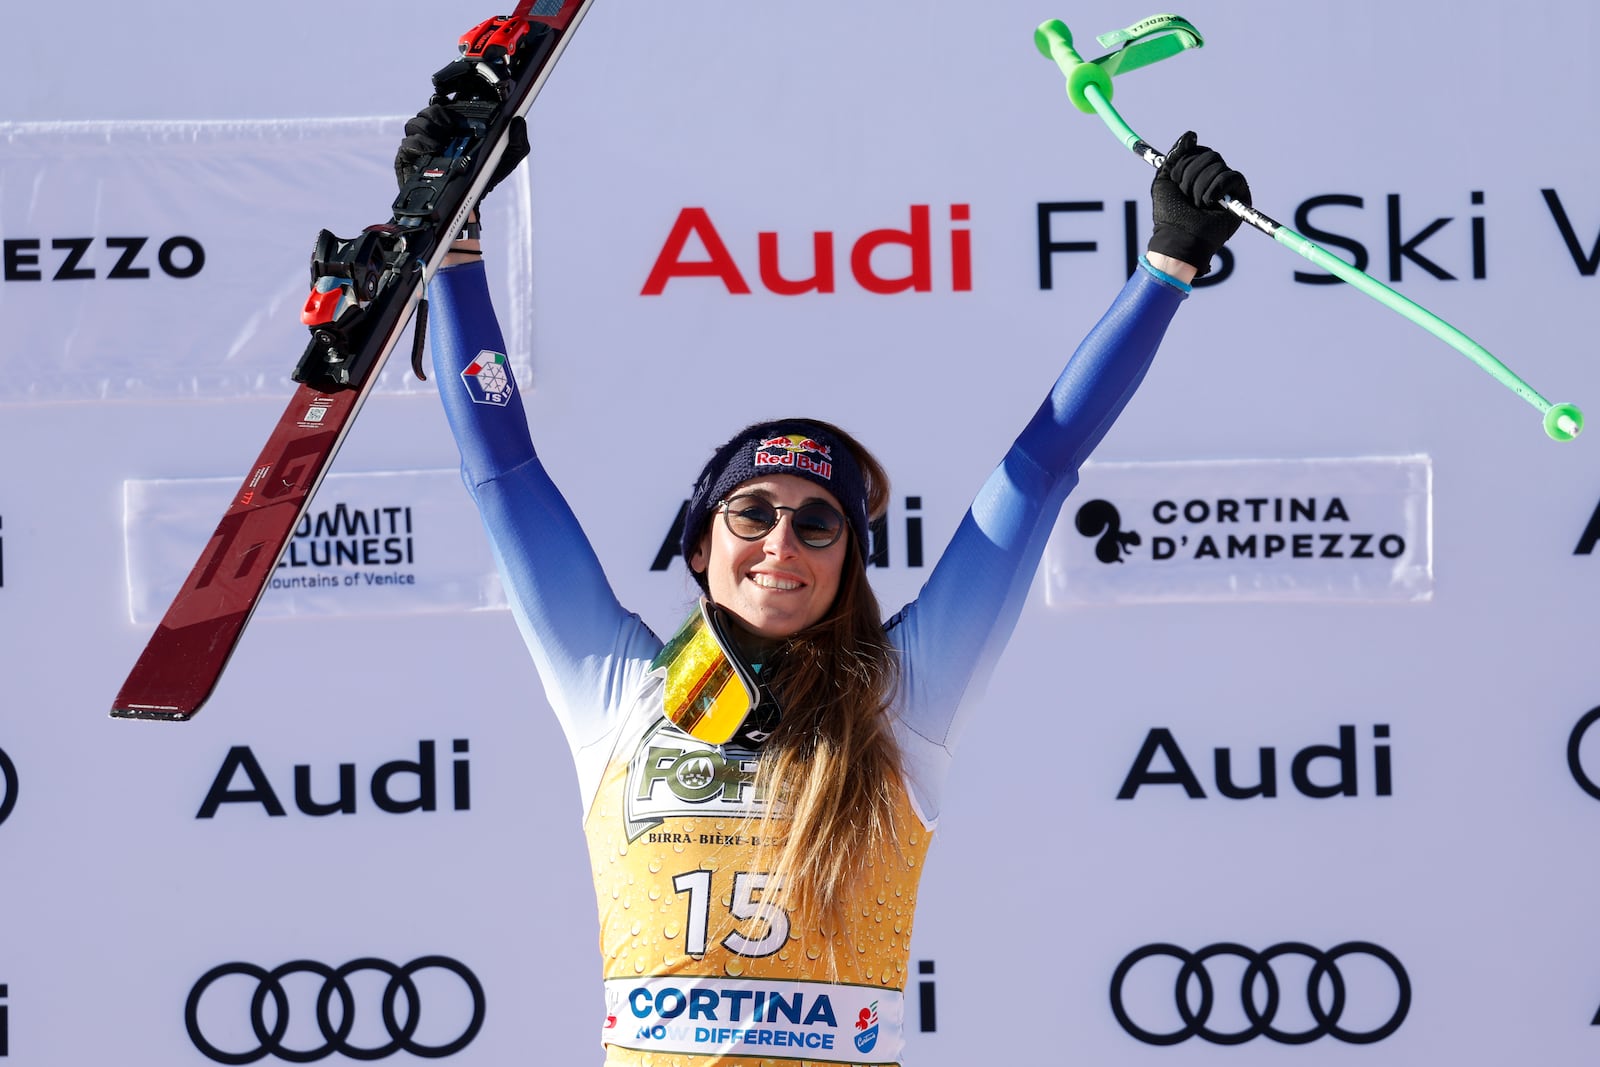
column 1155, row 38
column 1145, row 42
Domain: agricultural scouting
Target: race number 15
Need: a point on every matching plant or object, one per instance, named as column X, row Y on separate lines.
column 746, row 904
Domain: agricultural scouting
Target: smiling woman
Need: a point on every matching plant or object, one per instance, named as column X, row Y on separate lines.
column 760, row 789
column 787, row 563
column 776, row 575
column 775, row 582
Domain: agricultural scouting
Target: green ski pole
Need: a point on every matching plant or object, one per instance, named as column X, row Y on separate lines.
column 1089, row 87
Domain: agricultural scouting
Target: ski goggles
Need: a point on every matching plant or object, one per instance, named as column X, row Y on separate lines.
column 817, row 524
column 708, row 689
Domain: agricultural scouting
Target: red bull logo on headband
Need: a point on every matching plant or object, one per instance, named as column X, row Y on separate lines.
column 796, row 451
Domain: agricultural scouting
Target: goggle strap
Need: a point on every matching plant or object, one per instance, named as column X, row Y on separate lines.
column 718, row 621
column 708, row 689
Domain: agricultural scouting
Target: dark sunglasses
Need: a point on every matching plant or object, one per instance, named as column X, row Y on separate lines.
column 750, row 518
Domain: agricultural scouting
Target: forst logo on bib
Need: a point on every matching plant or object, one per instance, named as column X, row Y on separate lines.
column 672, row 775
column 488, row 379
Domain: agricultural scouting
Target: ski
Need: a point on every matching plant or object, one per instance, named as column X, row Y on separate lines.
column 364, row 291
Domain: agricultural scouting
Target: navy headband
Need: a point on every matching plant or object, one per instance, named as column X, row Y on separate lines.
column 799, row 447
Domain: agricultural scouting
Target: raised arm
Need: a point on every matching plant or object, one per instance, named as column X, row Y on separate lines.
column 583, row 643
column 587, row 649
column 953, row 633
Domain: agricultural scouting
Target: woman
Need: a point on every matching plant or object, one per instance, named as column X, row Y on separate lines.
column 760, row 791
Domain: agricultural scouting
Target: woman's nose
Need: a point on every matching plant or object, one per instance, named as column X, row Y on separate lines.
column 781, row 540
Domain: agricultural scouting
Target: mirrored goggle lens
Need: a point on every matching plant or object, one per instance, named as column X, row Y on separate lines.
column 816, row 524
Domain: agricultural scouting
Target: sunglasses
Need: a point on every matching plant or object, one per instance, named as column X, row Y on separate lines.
column 750, row 518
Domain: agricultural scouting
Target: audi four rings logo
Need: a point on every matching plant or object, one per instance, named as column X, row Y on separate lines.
column 335, row 1035
column 8, row 785
column 1260, row 972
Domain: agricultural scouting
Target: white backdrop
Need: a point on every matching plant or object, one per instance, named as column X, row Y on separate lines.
column 1088, row 814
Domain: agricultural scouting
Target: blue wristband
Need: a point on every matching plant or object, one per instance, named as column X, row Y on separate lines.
column 1164, row 276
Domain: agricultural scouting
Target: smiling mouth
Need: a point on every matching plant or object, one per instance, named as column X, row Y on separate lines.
column 767, row 581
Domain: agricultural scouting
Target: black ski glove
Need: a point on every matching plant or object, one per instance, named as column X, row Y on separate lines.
column 1189, row 225
column 432, row 128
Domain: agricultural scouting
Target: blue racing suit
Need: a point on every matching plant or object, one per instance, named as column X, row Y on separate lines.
column 667, row 817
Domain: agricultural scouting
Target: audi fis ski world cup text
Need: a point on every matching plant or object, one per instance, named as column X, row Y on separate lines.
column 911, row 250
column 1314, row 216
column 925, row 250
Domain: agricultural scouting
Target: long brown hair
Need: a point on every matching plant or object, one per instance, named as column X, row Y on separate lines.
column 831, row 768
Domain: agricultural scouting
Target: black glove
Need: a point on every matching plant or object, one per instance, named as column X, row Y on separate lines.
column 432, row 128
column 1189, row 225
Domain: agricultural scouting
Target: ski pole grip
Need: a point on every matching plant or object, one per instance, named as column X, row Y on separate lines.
column 1054, row 41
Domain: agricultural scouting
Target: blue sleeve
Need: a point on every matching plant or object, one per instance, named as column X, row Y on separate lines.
column 588, row 650
column 952, row 635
